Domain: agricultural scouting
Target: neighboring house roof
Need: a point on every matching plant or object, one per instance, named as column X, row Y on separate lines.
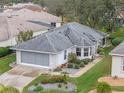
column 119, row 50
column 30, row 6
column 62, row 38
column 12, row 23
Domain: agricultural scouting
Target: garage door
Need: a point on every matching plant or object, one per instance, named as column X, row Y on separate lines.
column 35, row 58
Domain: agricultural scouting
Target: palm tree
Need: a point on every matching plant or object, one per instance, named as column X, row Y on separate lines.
column 8, row 89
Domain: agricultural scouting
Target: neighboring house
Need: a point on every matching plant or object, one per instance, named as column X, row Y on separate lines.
column 11, row 23
column 30, row 6
column 118, row 61
column 51, row 49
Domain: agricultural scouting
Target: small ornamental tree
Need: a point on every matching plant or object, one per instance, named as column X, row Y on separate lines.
column 72, row 58
column 1, row 88
column 104, row 88
column 24, row 36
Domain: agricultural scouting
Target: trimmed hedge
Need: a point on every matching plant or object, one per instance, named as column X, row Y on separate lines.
column 4, row 51
column 117, row 41
column 54, row 79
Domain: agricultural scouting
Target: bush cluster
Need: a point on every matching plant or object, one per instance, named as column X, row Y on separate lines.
column 79, row 63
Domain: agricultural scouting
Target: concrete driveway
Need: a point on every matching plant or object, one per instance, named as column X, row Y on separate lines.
column 19, row 76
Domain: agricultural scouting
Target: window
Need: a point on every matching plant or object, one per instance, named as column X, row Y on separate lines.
column 123, row 65
column 103, row 41
column 86, row 52
column 65, row 54
column 90, row 51
column 78, row 51
column 53, row 24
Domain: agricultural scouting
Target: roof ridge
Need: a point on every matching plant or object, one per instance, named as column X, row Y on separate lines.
column 50, row 43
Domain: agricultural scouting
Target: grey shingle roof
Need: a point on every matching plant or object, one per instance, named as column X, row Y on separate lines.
column 119, row 49
column 62, row 38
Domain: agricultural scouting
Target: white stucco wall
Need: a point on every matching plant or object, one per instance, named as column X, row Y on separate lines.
column 60, row 56
column 53, row 61
column 18, row 57
column 117, row 66
column 12, row 41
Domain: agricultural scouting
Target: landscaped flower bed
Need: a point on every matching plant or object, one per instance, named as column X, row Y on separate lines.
column 53, row 82
column 79, row 63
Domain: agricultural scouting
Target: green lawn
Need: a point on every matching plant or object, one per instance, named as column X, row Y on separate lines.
column 85, row 82
column 88, row 81
column 5, row 61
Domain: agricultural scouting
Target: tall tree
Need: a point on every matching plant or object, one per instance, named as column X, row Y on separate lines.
column 108, row 19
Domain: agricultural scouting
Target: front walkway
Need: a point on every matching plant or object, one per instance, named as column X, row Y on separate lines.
column 112, row 81
column 86, row 68
column 19, row 76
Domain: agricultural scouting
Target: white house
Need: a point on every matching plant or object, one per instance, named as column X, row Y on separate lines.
column 118, row 61
column 51, row 49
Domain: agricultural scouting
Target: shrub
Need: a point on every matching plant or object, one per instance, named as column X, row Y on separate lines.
column 66, row 87
column 65, row 78
column 54, row 79
column 58, row 69
column 72, row 58
column 104, row 88
column 70, row 65
column 38, row 88
column 85, row 62
column 45, row 81
column 99, row 50
column 4, row 51
column 117, row 41
column 115, row 77
column 36, row 84
column 76, row 66
column 59, row 85
column 82, row 64
column 78, row 61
